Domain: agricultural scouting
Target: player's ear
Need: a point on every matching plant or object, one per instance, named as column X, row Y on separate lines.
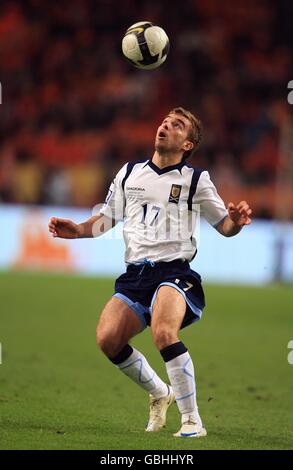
column 188, row 145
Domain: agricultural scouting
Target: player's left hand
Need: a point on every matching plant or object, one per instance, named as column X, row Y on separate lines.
column 240, row 214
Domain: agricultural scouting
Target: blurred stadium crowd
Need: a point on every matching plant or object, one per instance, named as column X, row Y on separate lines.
column 74, row 111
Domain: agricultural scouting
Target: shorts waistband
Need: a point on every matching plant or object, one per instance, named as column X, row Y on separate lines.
column 177, row 263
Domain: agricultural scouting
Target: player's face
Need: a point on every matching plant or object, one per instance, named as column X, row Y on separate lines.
column 172, row 135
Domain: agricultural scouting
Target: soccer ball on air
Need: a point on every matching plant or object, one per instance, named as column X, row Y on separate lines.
column 145, row 45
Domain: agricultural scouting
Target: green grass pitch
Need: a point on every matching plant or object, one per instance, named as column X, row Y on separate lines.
column 57, row 391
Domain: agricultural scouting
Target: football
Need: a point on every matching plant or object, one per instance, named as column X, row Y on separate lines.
column 145, row 45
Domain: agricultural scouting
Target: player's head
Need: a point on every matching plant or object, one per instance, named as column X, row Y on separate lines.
column 180, row 131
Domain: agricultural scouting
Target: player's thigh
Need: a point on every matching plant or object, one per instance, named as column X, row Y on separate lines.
column 167, row 314
column 117, row 324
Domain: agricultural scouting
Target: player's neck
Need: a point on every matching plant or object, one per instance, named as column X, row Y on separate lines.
column 163, row 161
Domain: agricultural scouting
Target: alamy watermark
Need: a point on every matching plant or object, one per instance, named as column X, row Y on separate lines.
column 290, row 95
column 0, row 354
column 290, row 355
column 0, row 93
column 176, row 223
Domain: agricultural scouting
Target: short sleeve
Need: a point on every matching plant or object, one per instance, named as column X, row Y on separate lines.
column 113, row 206
column 212, row 206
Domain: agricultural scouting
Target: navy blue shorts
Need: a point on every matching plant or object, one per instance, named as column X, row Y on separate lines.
column 138, row 288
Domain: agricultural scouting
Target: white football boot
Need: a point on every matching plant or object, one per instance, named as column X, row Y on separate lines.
column 158, row 411
column 190, row 429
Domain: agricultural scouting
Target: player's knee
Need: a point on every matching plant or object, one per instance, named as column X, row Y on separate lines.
column 107, row 343
column 163, row 337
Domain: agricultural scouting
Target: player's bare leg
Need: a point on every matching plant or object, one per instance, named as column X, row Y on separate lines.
column 167, row 316
column 117, row 325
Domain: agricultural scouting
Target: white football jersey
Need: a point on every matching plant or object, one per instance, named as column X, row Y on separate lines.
column 160, row 209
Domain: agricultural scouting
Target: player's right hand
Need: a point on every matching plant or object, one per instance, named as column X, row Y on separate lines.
column 63, row 228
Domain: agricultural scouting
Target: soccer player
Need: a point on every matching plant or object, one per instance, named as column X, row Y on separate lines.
column 159, row 201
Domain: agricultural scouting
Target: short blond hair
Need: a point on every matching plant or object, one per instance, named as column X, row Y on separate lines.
column 195, row 134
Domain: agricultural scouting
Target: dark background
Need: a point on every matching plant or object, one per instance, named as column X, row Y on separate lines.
column 74, row 111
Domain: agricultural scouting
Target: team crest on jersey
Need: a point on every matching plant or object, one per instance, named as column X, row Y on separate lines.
column 175, row 193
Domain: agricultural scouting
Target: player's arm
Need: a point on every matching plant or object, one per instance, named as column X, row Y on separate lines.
column 237, row 217
column 111, row 212
column 227, row 221
column 93, row 227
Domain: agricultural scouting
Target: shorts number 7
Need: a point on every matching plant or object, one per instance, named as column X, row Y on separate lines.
column 189, row 285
